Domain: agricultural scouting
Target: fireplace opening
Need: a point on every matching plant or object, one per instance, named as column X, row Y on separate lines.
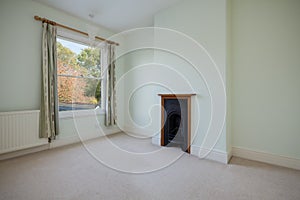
column 175, row 127
column 176, row 120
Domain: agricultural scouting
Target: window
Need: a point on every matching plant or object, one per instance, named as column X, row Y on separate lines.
column 78, row 76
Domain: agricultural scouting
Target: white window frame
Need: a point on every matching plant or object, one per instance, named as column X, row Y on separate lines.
column 84, row 40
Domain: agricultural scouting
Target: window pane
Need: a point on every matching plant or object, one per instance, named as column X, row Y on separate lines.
column 78, row 93
column 77, row 65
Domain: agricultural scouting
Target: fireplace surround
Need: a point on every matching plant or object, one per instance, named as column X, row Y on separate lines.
column 176, row 120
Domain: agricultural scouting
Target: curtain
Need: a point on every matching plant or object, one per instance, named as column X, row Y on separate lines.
column 49, row 101
column 108, row 82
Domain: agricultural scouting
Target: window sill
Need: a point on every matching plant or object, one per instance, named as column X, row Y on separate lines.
column 81, row 113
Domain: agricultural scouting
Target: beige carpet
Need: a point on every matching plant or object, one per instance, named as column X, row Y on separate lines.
column 72, row 173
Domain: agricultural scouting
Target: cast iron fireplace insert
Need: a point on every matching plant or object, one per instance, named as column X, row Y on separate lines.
column 175, row 120
column 175, row 128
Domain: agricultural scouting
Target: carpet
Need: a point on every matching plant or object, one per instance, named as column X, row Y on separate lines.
column 122, row 167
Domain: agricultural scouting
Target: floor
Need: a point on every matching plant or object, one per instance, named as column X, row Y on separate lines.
column 123, row 167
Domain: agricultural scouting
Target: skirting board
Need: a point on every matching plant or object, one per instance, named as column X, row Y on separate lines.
column 64, row 141
column 156, row 141
column 56, row 143
column 76, row 139
column 266, row 158
column 24, row 152
column 215, row 155
column 138, row 132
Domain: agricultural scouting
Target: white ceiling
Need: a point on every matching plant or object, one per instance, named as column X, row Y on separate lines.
column 117, row 15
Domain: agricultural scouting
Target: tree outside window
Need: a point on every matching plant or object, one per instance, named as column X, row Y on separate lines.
column 79, row 76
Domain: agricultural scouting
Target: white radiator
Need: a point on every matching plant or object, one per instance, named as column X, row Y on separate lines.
column 19, row 130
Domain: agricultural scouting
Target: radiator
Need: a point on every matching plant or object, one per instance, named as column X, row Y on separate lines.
column 19, row 130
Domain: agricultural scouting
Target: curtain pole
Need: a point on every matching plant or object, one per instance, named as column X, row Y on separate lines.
column 72, row 29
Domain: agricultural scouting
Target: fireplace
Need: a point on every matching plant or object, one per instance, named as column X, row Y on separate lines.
column 175, row 120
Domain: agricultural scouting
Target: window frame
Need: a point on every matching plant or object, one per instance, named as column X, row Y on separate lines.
column 84, row 40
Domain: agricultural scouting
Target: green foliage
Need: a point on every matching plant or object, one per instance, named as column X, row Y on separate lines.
column 89, row 58
column 98, row 90
column 66, row 56
column 91, row 87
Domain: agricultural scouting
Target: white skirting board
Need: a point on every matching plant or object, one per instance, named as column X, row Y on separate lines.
column 23, row 152
column 59, row 142
column 214, row 154
column 138, row 132
column 76, row 139
column 266, row 158
column 156, row 141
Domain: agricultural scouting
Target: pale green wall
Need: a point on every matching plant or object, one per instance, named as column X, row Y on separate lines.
column 20, row 57
column 266, row 71
column 265, row 46
column 20, row 51
column 132, row 56
column 204, row 21
column 228, row 71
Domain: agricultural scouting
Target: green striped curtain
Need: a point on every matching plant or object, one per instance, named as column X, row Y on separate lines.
column 49, row 101
column 109, row 79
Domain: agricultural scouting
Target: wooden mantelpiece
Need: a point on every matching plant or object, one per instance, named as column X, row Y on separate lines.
column 176, row 96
